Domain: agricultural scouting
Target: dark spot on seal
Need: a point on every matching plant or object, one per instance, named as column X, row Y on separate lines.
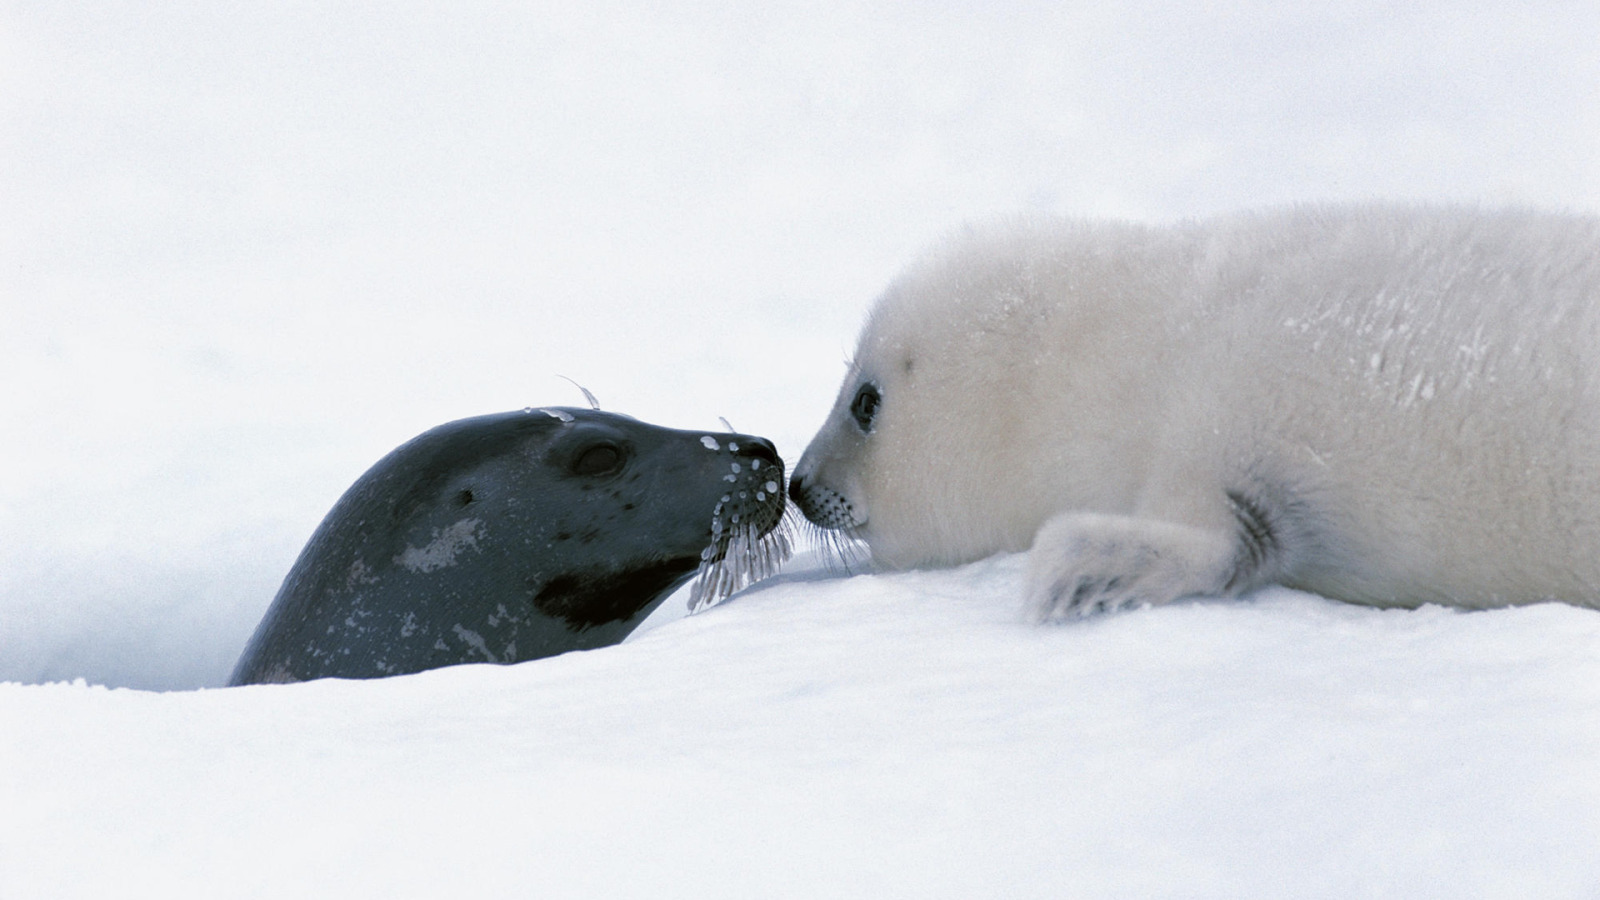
column 464, row 498
column 436, row 460
column 586, row 599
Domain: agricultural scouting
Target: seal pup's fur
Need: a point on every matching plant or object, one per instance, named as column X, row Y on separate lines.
column 1388, row 405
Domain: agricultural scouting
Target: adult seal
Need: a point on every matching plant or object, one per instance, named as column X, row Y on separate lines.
column 1384, row 404
column 516, row 536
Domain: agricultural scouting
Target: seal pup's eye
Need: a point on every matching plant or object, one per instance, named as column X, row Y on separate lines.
column 865, row 405
column 601, row 459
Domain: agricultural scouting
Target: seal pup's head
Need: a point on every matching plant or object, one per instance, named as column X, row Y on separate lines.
column 983, row 395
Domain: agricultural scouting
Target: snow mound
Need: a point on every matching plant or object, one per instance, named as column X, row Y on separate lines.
column 871, row 736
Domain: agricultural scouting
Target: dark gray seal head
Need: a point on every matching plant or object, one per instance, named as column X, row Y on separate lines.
column 516, row 536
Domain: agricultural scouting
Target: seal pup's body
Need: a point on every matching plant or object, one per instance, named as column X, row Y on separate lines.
column 1385, row 405
column 515, row 536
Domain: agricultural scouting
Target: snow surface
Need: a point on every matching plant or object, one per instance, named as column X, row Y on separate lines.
column 900, row 735
column 245, row 250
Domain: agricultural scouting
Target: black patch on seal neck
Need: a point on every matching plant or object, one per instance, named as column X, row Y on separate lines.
column 584, row 600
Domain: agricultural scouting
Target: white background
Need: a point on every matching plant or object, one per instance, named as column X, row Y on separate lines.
column 246, row 249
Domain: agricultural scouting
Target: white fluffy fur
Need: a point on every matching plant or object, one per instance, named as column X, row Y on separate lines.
column 1386, row 405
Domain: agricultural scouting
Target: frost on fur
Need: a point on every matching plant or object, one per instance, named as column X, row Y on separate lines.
column 738, row 558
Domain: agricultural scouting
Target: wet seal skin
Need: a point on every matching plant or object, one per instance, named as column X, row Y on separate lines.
column 516, row 536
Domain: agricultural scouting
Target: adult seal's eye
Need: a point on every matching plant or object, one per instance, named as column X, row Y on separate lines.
column 864, row 408
column 601, row 459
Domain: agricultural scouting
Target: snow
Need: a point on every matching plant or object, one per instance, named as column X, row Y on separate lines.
column 245, row 252
column 881, row 735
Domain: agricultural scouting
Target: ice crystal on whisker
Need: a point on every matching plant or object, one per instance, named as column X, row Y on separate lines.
column 739, row 556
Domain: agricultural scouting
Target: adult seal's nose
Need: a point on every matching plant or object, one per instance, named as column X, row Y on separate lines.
column 757, row 448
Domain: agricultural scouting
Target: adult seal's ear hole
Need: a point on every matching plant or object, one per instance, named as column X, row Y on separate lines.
column 491, row 539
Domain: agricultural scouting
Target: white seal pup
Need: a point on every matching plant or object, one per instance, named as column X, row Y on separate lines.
column 1388, row 405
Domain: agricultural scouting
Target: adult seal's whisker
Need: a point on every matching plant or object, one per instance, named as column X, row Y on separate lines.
column 593, row 403
column 751, row 535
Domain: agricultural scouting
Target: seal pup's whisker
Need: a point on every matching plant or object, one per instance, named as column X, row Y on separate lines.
column 841, row 550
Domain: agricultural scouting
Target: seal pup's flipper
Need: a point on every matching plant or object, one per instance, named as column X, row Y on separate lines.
column 1084, row 563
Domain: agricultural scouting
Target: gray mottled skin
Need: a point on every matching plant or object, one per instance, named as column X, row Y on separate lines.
column 505, row 538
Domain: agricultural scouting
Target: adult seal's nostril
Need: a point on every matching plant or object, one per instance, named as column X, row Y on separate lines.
column 758, row 448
